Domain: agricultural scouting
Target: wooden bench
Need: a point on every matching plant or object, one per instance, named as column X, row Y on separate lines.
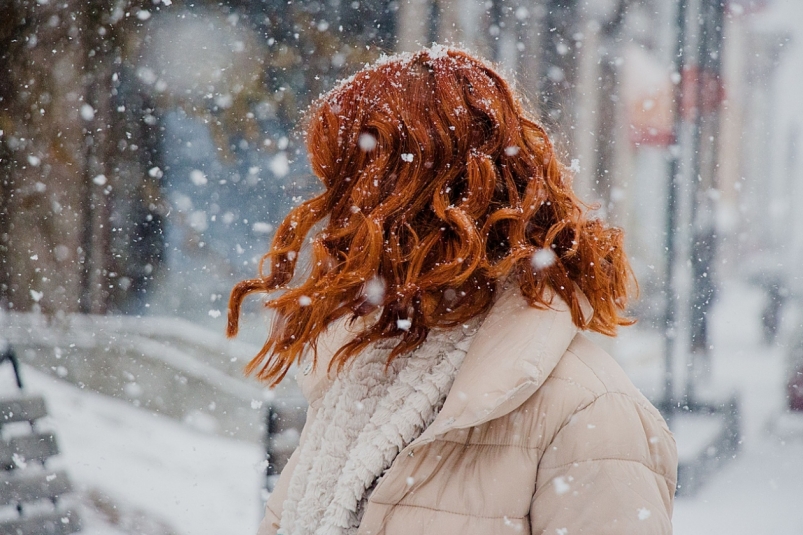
column 29, row 492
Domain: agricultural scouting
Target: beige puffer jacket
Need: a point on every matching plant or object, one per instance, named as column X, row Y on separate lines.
column 542, row 432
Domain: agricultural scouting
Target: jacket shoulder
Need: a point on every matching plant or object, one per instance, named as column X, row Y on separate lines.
column 587, row 372
column 602, row 415
column 609, row 446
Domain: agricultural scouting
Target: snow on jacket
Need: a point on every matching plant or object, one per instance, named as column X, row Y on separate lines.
column 542, row 433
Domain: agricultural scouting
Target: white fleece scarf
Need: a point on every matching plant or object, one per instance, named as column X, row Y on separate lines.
column 365, row 419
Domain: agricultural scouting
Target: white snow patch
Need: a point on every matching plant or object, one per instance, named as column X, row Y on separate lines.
column 198, row 177
column 19, row 460
column 367, row 142
column 304, row 301
column 561, row 487
column 375, row 291
column 543, row 258
column 407, row 157
column 404, row 325
column 133, row 390
column 644, row 513
column 280, row 165
column 36, row 296
column 99, row 180
column 513, row 523
column 224, row 101
column 148, row 462
column 261, row 227
column 214, row 313
column 87, row 112
column 197, row 220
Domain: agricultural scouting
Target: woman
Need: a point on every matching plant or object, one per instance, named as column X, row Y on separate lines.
column 438, row 328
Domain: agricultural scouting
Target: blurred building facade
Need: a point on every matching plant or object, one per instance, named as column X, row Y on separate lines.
column 148, row 149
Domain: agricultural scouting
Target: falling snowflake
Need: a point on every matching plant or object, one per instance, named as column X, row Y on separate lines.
column 19, row 460
column 198, row 177
column 375, row 291
column 87, row 112
column 561, row 487
column 280, row 165
column 260, row 227
column 367, row 142
column 543, row 258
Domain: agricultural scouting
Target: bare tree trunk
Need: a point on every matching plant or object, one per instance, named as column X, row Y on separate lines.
column 43, row 173
column 60, row 156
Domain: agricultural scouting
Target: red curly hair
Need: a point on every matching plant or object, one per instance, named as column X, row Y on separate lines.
column 438, row 186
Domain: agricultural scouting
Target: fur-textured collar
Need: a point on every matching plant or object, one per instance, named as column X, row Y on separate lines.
column 368, row 415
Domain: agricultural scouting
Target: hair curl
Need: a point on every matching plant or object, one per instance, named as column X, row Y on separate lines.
column 438, row 186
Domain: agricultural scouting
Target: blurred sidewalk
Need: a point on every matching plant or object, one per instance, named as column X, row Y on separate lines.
column 761, row 490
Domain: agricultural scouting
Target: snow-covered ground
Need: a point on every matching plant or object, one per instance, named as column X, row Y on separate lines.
column 761, row 490
column 141, row 473
column 137, row 472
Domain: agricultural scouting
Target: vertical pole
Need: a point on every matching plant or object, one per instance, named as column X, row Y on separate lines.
column 697, row 330
column 704, row 179
column 671, row 221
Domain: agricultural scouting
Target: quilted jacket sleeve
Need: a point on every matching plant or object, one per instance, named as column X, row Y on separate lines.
column 273, row 509
column 610, row 469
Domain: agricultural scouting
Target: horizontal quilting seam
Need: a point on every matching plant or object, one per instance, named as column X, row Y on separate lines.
column 614, row 393
column 584, row 363
column 574, row 383
column 592, row 402
column 600, row 459
column 502, row 517
column 607, row 390
column 470, row 444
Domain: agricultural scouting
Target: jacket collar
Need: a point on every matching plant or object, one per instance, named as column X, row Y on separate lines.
column 512, row 354
column 514, row 351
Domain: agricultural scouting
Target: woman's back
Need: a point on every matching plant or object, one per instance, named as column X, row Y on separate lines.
column 555, row 438
column 445, row 212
